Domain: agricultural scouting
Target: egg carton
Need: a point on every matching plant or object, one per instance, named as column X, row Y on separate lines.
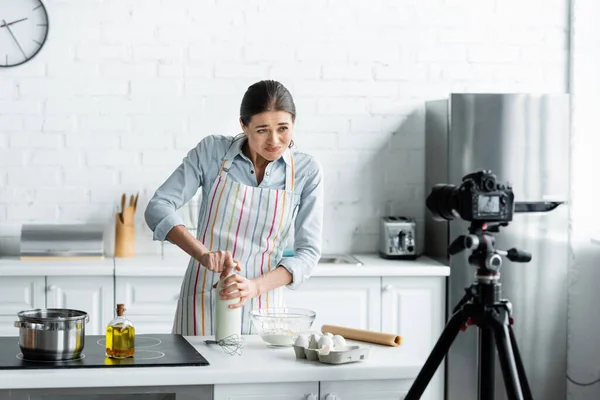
column 343, row 355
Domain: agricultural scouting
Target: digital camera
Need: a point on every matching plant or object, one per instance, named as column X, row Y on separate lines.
column 479, row 198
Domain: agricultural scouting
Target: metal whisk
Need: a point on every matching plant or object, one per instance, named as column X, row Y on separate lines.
column 231, row 344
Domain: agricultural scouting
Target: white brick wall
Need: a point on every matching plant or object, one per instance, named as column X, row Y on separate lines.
column 124, row 88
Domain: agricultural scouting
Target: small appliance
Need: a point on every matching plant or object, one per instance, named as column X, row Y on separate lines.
column 397, row 236
column 60, row 241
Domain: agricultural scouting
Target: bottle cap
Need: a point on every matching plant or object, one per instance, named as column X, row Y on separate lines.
column 120, row 309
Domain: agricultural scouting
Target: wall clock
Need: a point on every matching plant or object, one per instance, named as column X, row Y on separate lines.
column 23, row 30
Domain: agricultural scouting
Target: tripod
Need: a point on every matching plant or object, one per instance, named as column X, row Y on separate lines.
column 482, row 306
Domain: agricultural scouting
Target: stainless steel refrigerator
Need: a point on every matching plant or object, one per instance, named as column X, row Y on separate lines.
column 523, row 139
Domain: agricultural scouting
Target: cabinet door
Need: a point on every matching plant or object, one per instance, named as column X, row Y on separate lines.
column 268, row 391
column 19, row 293
column 413, row 307
column 365, row 390
column 150, row 301
column 92, row 294
column 353, row 302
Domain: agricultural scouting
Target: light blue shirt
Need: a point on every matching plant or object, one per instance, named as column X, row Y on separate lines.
column 200, row 168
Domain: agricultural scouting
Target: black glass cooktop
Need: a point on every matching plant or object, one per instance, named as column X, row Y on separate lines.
column 150, row 351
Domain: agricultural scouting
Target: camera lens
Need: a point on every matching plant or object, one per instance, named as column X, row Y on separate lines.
column 441, row 201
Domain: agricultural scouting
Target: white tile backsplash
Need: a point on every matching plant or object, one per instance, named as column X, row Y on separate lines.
column 115, row 106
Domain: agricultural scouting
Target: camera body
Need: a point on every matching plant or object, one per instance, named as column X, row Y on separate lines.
column 479, row 198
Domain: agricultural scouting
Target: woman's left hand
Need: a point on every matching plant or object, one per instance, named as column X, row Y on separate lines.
column 237, row 286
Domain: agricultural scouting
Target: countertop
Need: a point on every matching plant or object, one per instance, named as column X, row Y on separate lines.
column 175, row 266
column 13, row 266
column 277, row 365
column 373, row 265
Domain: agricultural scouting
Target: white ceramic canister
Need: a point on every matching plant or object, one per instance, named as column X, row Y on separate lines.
column 228, row 321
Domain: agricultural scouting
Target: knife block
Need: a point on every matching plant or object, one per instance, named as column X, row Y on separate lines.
column 124, row 238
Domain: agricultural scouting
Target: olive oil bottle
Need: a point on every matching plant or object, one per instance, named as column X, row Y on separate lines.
column 120, row 336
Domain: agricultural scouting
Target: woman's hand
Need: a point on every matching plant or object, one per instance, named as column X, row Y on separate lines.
column 237, row 286
column 219, row 261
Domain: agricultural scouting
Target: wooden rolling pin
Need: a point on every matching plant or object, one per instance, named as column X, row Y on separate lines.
column 386, row 339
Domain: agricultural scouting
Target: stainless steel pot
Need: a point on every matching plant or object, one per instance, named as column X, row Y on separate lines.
column 51, row 333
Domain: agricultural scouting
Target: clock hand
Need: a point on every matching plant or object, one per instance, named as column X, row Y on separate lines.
column 13, row 36
column 10, row 23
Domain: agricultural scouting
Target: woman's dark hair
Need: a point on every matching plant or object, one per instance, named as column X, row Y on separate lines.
column 267, row 95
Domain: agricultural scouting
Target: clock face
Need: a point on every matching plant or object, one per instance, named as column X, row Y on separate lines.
column 23, row 30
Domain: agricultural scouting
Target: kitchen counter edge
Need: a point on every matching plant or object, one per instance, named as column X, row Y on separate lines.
column 373, row 265
column 13, row 266
column 384, row 363
column 175, row 266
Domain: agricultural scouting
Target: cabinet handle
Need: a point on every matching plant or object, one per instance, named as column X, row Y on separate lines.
column 311, row 396
column 51, row 288
column 388, row 288
column 330, row 396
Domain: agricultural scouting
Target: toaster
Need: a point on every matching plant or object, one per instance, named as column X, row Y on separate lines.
column 397, row 238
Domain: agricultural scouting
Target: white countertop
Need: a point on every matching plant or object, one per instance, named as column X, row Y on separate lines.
column 373, row 265
column 175, row 266
column 13, row 266
column 276, row 365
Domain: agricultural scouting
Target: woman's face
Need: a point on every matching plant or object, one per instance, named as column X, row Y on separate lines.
column 269, row 133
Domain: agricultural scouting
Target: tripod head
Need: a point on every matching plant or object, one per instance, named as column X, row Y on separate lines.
column 484, row 255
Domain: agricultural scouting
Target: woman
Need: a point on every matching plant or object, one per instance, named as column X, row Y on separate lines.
column 255, row 188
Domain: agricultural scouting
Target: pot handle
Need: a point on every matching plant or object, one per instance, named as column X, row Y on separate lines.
column 87, row 318
column 29, row 325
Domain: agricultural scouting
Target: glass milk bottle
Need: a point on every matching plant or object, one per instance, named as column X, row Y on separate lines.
column 228, row 321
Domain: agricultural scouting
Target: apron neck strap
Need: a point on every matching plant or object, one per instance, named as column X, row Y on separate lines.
column 225, row 166
column 289, row 174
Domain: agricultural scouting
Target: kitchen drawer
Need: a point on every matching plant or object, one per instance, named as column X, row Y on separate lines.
column 366, row 390
column 148, row 295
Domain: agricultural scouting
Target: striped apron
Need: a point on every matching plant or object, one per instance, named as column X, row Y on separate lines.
column 253, row 224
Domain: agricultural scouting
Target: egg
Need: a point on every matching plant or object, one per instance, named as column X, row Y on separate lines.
column 313, row 344
column 326, row 341
column 328, row 334
column 323, row 351
column 338, row 342
column 302, row 341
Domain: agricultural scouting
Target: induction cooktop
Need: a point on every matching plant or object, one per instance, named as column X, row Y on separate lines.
column 160, row 350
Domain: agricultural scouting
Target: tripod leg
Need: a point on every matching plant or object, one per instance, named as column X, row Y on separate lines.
column 520, row 368
column 507, row 361
column 437, row 355
column 487, row 359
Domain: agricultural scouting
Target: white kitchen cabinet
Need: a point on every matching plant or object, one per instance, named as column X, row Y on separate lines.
column 201, row 392
column 268, row 391
column 347, row 301
column 150, row 301
column 364, row 390
column 19, row 293
column 353, row 302
column 92, row 294
column 413, row 308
